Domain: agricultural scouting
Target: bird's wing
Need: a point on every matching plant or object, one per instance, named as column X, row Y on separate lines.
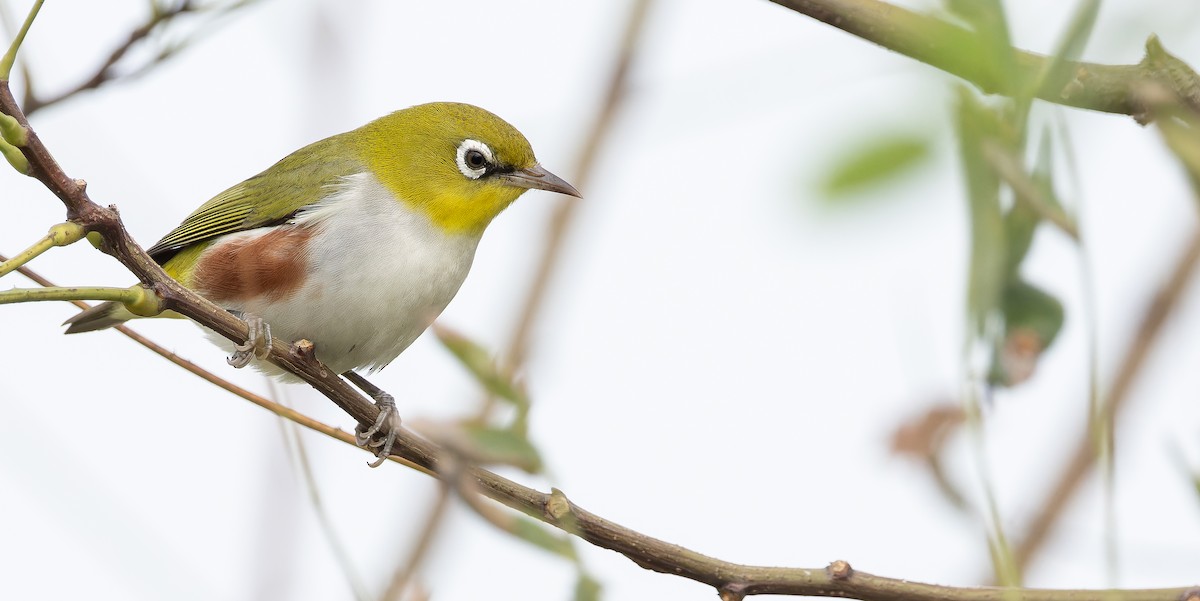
column 272, row 197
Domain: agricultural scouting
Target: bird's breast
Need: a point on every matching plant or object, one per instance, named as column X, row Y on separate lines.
column 360, row 274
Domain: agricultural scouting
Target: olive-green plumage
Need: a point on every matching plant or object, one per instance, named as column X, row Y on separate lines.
column 271, row 197
column 387, row 215
column 412, row 152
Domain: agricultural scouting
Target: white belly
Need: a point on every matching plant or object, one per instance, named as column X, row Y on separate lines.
column 378, row 274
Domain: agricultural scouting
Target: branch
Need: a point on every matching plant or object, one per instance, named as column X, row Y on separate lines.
column 276, row 408
column 105, row 72
column 1108, row 88
column 564, row 213
column 1163, row 303
column 296, row 358
column 734, row 581
column 958, row 51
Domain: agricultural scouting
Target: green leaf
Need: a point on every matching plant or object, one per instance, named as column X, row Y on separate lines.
column 1020, row 223
column 6, row 61
column 993, row 44
column 1021, row 220
column 537, row 534
column 586, row 588
column 1032, row 321
column 1055, row 70
column 1180, row 458
column 977, row 123
column 15, row 157
column 1043, row 167
column 876, row 162
column 501, row 445
column 480, row 364
column 12, row 132
column 1028, row 307
column 1181, row 137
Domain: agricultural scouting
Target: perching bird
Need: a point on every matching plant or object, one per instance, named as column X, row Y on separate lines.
column 356, row 242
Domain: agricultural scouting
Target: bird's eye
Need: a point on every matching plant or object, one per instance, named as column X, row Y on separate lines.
column 475, row 158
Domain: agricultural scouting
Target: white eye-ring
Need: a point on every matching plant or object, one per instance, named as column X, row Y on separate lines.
column 474, row 158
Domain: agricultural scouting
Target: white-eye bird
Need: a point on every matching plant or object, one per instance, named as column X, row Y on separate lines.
column 356, row 242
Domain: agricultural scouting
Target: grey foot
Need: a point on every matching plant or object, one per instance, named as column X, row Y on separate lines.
column 258, row 342
column 380, row 436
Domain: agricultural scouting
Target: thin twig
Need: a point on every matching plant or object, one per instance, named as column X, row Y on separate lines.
column 276, row 408
column 1166, row 299
column 432, row 524
column 314, row 496
column 735, row 580
column 564, row 214
column 1026, row 191
column 105, row 72
column 555, row 237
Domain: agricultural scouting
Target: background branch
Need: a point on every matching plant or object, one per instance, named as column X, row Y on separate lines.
column 1084, row 458
column 957, row 50
column 1108, row 88
column 159, row 19
column 733, row 580
column 564, row 213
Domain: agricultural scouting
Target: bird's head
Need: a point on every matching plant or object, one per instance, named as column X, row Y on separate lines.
column 457, row 163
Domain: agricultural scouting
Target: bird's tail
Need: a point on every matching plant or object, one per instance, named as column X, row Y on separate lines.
column 102, row 316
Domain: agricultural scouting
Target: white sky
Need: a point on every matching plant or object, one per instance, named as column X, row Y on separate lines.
column 723, row 361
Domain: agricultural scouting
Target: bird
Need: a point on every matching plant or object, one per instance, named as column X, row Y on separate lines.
column 356, row 242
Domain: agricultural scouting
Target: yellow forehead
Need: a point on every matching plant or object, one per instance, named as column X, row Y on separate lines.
column 436, row 129
column 414, row 152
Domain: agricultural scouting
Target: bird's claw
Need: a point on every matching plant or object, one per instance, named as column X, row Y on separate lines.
column 258, row 341
column 381, row 436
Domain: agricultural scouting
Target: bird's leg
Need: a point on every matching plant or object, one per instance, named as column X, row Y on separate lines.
column 388, row 418
column 258, row 340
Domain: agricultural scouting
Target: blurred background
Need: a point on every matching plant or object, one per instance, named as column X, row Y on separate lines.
column 727, row 349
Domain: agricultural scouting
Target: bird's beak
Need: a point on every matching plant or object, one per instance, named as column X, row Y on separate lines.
column 537, row 178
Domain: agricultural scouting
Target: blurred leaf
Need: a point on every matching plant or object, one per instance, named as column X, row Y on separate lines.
column 1027, row 306
column 881, row 159
column 586, row 588
column 1177, row 122
column 1006, row 572
column 977, row 122
column 1020, row 223
column 1034, row 203
column 1180, row 136
column 994, row 44
column 1179, row 456
column 1022, row 219
column 537, row 534
column 925, row 435
column 1195, row 475
column 482, row 366
column 1056, row 68
column 501, row 445
column 1032, row 321
column 1043, row 168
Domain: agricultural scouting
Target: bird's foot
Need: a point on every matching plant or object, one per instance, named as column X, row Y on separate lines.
column 258, row 341
column 374, row 438
column 381, row 435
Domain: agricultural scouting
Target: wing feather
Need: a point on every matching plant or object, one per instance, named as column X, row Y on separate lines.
column 300, row 179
